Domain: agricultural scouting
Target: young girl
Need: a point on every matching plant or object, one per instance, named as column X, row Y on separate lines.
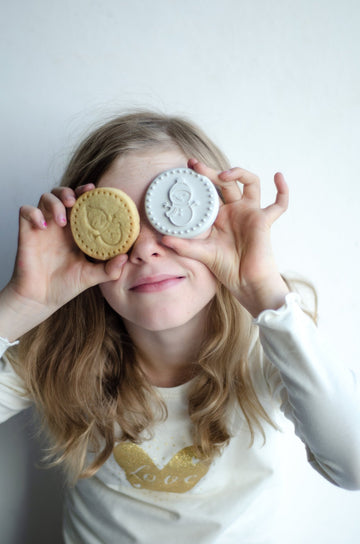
column 160, row 374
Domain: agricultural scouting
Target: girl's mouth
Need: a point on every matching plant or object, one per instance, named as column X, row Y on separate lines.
column 154, row 284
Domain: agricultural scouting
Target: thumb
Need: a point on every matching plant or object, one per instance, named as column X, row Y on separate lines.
column 200, row 250
column 109, row 271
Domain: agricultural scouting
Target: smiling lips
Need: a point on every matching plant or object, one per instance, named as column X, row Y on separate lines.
column 153, row 284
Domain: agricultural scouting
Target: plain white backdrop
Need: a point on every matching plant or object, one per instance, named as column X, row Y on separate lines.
column 276, row 84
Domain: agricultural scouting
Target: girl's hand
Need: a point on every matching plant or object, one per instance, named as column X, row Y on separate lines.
column 238, row 249
column 50, row 269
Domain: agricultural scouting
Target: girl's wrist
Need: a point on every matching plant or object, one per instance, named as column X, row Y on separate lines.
column 18, row 315
column 269, row 295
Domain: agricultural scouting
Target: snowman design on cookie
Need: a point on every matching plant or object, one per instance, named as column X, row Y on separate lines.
column 180, row 208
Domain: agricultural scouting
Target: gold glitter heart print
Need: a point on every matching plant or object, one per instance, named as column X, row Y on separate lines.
column 180, row 474
column 104, row 223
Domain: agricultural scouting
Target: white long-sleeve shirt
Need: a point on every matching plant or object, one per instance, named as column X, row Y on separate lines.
column 160, row 492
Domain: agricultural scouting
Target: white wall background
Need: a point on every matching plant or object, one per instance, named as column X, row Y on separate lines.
column 276, row 83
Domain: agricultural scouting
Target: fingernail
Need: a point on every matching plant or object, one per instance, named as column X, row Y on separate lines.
column 44, row 224
column 121, row 260
column 62, row 219
column 192, row 162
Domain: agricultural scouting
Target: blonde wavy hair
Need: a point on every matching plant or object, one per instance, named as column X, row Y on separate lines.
column 80, row 364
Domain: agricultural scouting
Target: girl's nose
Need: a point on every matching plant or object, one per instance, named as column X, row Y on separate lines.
column 147, row 246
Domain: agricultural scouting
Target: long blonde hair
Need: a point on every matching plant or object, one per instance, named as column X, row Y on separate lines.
column 80, row 364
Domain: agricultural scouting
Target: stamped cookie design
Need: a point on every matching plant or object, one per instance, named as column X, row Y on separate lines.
column 104, row 222
column 181, row 203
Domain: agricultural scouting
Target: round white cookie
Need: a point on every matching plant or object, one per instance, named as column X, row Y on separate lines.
column 181, row 202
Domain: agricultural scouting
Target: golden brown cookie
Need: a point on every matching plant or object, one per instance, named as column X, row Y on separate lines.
column 104, row 222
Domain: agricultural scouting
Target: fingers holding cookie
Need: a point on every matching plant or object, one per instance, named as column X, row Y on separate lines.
column 32, row 216
column 50, row 209
column 53, row 209
column 50, row 269
column 68, row 196
column 54, row 205
column 83, row 189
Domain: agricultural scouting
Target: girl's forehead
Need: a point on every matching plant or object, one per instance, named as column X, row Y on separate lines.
column 134, row 172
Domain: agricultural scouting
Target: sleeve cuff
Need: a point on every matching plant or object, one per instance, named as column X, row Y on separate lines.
column 5, row 344
column 271, row 317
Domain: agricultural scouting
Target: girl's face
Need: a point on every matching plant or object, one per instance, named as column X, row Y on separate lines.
column 158, row 290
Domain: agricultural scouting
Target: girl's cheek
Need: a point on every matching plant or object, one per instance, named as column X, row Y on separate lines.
column 111, row 295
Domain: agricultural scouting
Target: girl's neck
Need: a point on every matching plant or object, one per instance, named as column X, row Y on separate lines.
column 168, row 358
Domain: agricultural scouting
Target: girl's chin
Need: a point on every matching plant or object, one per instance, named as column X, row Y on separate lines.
column 165, row 322
column 155, row 327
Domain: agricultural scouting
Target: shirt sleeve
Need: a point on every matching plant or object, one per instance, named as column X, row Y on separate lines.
column 319, row 394
column 13, row 397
